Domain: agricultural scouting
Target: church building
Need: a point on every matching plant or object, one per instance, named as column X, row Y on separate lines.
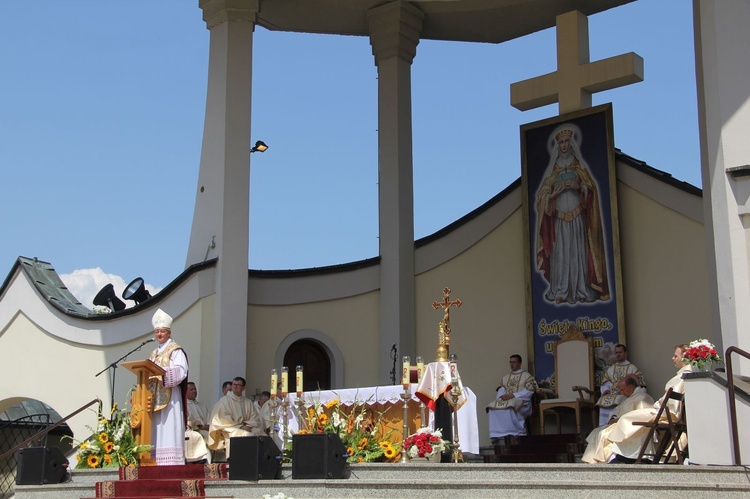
column 677, row 256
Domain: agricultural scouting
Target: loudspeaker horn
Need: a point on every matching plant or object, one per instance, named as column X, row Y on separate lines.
column 106, row 297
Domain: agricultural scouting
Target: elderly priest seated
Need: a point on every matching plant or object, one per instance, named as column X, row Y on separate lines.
column 637, row 398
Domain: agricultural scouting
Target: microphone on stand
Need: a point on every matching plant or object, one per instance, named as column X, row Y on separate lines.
column 148, row 341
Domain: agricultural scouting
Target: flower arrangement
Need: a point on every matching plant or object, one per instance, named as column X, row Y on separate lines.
column 358, row 427
column 700, row 353
column 112, row 444
column 424, row 443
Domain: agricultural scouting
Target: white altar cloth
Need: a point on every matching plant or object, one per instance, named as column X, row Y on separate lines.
column 468, row 428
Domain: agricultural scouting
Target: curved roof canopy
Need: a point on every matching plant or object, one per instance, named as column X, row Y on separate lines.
column 490, row 21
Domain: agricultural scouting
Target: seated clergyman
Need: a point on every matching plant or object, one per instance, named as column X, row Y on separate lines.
column 512, row 404
column 624, row 439
column 233, row 416
column 635, row 398
column 196, row 433
column 611, row 395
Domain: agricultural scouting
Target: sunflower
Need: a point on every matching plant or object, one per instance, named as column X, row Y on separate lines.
column 123, row 461
column 332, row 403
column 302, row 432
column 322, row 419
column 103, row 437
column 362, row 444
column 108, row 447
column 385, row 444
column 93, row 461
column 350, row 451
column 390, row 452
column 107, row 458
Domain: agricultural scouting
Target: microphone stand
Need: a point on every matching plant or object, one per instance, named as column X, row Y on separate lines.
column 394, row 356
column 113, row 365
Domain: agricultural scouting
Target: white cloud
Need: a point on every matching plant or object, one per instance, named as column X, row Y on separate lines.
column 84, row 284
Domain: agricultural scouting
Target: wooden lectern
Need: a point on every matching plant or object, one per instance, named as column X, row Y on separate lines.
column 142, row 405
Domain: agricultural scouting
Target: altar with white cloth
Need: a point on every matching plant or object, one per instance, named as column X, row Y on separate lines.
column 388, row 398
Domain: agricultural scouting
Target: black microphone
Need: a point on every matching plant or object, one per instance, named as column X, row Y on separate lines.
column 148, row 341
column 393, row 348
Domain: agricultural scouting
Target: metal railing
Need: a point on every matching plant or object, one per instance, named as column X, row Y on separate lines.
column 732, row 402
column 8, row 463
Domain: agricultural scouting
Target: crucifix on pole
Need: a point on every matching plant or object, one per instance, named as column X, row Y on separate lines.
column 444, row 328
column 576, row 77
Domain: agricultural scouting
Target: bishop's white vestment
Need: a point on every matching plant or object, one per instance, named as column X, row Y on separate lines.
column 508, row 417
column 168, row 435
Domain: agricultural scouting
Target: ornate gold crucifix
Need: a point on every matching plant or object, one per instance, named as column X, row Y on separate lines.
column 444, row 328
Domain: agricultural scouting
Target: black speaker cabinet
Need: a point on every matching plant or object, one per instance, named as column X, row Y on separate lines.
column 319, row 456
column 40, row 465
column 254, row 458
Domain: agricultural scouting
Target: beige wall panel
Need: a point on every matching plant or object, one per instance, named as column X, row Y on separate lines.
column 665, row 283
column 351, row 323
column 31, row 358
column 490, row 325
column 195, row 331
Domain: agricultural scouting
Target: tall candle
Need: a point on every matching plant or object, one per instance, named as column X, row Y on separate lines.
column 405, row 375
column 420, row 368
column 284, row 381
column 298, row 381
column 274, row 383
column 454, row 370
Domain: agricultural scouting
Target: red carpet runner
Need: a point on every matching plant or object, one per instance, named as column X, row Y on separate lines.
column 162, row 481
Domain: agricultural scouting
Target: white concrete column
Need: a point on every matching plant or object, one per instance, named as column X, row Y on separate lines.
column 394, row 34
column 222, row 201
column 722, row 59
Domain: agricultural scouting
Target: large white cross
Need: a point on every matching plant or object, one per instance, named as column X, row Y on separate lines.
column 576, row 78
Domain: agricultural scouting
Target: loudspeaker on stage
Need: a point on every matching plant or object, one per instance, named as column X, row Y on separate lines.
column 254, row 458
column 319, row 456
column 40, row 465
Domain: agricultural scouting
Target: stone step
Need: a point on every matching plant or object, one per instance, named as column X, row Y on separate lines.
column 456, row 481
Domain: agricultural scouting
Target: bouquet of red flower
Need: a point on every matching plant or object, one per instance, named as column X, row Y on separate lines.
column 424, row 443
column 700, row 353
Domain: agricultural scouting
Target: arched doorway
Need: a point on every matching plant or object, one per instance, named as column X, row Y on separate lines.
column 313, row 357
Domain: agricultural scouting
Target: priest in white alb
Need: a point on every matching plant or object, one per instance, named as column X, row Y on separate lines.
column 169, row 390
column 636, row 398
column 512, row 405
column 196, row 433
column 624, row 439
column 234, row 415
column 611, row 395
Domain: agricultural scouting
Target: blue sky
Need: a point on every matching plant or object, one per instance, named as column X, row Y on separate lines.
column 101, row 121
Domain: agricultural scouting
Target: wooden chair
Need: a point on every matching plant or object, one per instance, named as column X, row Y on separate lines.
column 574, row 376
column 667, row 429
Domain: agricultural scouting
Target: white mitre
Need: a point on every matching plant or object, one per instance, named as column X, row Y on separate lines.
column 161, row 320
